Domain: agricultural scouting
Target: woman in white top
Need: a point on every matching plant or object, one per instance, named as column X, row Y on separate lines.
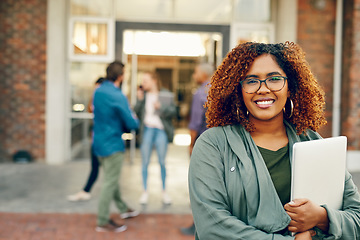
column 156, row 128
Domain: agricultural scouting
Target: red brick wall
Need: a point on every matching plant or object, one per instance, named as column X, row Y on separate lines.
column 316, row 35
column 351, row 74
column 22, row 77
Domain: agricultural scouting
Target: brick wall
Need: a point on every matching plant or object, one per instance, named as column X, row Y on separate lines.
column 316, row 35
column 22, row 77
column 351, row 74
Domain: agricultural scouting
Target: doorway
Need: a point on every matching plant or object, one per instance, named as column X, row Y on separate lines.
column 171, row 50
column 175, row 70
column 173, row 55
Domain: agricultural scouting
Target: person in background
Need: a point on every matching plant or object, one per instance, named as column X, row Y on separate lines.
column 156, row 128
column 112, row 117
column 84, row 194
column 197, row 124
column 263, row 98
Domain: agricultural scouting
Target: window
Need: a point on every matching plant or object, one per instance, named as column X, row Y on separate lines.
column 91, row 39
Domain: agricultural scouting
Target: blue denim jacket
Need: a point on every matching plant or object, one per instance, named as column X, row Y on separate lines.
column 112, row 117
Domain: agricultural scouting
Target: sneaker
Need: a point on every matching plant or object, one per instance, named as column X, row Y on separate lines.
column 166, row 198
column 111, row 227
column 129, row 213
column 80, row 196
column 144, row 198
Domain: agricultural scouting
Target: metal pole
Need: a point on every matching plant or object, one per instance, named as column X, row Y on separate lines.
column 336, row 123
column 134, row 68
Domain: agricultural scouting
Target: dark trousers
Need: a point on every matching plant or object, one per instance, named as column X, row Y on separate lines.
column 93, row 173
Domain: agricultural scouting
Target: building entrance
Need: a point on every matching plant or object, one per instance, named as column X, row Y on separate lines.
column 173, row 55
column 172, row 51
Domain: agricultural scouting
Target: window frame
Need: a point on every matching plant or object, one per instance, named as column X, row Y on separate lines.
column 109, row 56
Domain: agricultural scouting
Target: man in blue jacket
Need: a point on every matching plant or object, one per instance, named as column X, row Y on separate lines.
column 112, row 117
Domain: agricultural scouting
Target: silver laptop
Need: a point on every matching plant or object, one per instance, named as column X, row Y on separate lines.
column 318, row 171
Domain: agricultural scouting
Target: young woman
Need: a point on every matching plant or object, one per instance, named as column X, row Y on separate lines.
column 263, row 98
column 156, row 129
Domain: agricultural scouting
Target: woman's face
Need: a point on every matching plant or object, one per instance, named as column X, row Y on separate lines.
column 264, row 104
column 148, row 82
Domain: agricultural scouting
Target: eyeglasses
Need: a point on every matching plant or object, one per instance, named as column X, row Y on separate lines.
column 274, row 84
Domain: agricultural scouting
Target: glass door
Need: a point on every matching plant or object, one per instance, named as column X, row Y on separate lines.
column 173, row 58
column 83, row 76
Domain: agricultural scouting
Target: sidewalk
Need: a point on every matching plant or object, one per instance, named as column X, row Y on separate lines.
column 75, row 226
column 33, row 203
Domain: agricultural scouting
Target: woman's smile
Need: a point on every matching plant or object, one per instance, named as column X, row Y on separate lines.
column 264, row 103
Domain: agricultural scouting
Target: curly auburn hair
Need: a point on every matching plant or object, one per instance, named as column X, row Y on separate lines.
column 225, row 105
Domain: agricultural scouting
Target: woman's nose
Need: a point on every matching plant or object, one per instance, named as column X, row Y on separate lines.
column 263, row 88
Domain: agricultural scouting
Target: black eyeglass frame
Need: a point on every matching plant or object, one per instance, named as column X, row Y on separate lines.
column 264, row 81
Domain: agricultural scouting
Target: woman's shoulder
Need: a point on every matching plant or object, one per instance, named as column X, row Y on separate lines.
column 213, row 131
column 210, row 142
column 165, row 90
column 221, row 131
column 215, row 135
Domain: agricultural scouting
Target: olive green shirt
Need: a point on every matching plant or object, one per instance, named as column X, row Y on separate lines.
column 278, row 164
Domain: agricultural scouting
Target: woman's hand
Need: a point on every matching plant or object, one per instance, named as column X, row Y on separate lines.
column 305, row 235
column 305, row 215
